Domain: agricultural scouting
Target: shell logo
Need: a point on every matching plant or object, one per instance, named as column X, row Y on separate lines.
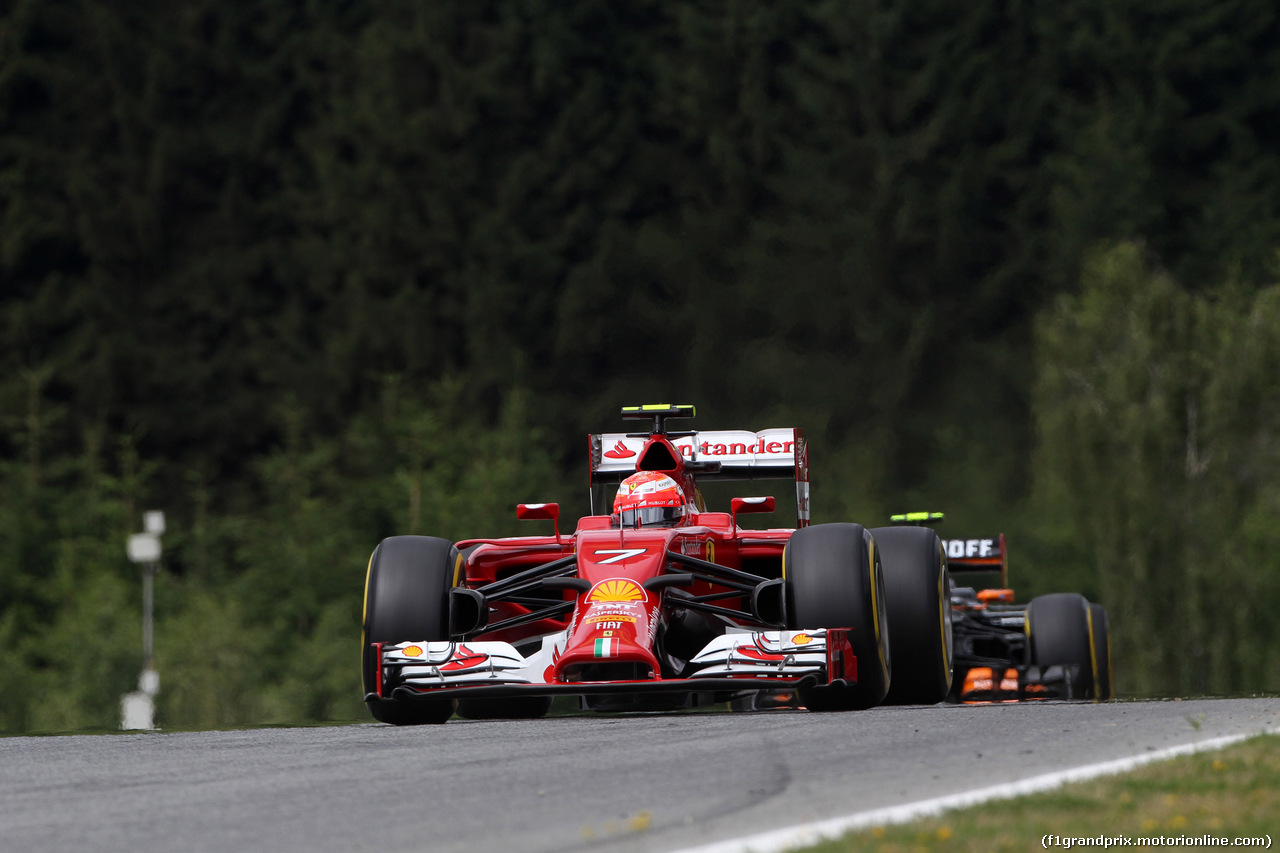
column 412, row 651
column 616, row 589
column 801, row 640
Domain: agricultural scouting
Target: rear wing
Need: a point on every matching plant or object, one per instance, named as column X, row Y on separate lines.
column 771, row 454
column 978, row 555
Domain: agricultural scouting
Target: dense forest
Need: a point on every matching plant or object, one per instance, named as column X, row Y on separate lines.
column 304, row 274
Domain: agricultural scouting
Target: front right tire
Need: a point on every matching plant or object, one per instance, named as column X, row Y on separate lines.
column 406, row 598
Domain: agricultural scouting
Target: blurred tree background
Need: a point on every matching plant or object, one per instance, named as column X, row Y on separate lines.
column 304, row 275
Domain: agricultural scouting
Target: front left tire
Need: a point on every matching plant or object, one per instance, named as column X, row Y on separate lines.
column 834, row 579
column 918, row 596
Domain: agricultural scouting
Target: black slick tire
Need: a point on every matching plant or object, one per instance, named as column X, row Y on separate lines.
column 407, row 599
column 834, row 579
column 918, row 597
column 1058, row 633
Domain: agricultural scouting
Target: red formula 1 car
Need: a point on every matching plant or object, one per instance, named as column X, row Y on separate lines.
column 1058, row 646
column 659, row 604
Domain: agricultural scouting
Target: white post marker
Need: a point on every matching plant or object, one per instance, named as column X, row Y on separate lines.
column 137, row 709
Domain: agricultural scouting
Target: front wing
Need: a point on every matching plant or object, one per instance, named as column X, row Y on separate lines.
column 736, row 661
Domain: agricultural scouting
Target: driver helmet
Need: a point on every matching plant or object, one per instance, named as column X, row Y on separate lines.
column 648, row 499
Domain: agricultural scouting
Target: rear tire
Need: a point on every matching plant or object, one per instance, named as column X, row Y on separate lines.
column 406, row 599
column 918, row 597
column 835, row 580
column 1058, row 633
column 1105, row 689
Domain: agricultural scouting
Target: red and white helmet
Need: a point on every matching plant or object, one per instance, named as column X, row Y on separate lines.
column 648, row 499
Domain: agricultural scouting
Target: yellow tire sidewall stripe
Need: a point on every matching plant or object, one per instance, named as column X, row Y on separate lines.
column 943, row 603
column 875, row 604
column 875, row 608
column 364, row 610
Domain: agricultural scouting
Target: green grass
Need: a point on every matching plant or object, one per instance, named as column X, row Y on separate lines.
column 1230, row 793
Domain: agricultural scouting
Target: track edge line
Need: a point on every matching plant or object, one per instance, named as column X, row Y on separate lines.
column 807, row 834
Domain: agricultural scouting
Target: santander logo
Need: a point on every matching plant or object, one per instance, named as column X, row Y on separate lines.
column 619, row 451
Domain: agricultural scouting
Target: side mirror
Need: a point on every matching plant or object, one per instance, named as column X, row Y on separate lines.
column 537, row 511
column 745, row 505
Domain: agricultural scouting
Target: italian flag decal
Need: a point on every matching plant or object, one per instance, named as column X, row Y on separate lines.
column 606, row 647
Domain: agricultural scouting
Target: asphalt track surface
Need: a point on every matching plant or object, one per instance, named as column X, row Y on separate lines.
column 616, row 784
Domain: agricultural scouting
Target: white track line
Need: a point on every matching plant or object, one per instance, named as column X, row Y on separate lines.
column 807, row 834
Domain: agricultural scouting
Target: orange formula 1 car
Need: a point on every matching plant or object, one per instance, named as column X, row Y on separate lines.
column 1056, row 647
